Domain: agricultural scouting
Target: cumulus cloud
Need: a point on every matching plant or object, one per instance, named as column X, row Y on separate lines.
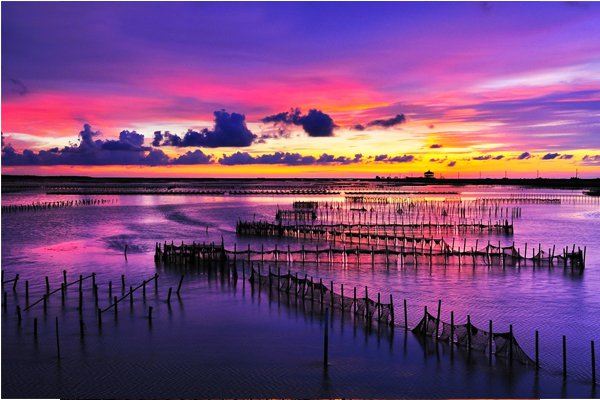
column 524, row 156
column 488, row 157
column 550, row 156
column 285, row 158
column 316, row 123
column 397, row 159
column 128, row 149
column 388, row 122
column 128, row 141
column 193, row 158
column 591, row 160
column 230, row 130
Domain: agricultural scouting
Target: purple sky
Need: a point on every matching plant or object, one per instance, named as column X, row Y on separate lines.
column 474, row 79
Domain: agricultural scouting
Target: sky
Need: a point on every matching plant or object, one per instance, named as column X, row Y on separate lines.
column 318, row 89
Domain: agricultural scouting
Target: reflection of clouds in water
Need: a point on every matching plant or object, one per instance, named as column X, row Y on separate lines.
column 118, row 242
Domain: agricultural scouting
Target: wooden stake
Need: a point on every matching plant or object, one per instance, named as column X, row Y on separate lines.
column 169, row 295
column 490, row 341
column 326, row 340
column 564, row 347
column 405, row 316
column 510, row 344
column 437, row 323
column 35, row 328
column 469, row 332
column 593, row 364
column 451, row 329
column 57, row 340
column 181, row 281
column 537, row 349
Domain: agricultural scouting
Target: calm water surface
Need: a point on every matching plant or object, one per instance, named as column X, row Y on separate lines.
column 221, row 339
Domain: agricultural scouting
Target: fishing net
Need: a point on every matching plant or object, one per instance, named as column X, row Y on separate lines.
column 505, row 342
column 469, row 336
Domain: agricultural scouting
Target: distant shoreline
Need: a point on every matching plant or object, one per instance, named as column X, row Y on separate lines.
column 554, row 183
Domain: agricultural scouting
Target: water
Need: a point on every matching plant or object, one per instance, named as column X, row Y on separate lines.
column 221, row 340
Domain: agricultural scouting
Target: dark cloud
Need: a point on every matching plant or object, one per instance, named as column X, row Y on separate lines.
column 358, row 127
column 566, row 156
column 129, row 149
column 524, row 156
column 316, row 123
column 452, row 163
column 591, row 160
column 128, row 141
column 398, row 159
column 229, row 131
column 438, row 160
column 389, row 122
column 488, row 157
column 244, row 158
column 193, row 158
column 550, row 156
column 435, row 146
column 158, row 137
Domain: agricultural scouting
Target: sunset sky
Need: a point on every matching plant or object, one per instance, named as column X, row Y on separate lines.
column 301, row 89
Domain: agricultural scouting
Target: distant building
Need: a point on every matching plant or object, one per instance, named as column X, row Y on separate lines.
column 429, row 175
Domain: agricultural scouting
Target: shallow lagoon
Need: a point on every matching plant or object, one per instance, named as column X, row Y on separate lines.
column 220, row 340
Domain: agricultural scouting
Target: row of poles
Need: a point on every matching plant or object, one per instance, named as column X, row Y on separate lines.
column 99, row 311
column 46, row 205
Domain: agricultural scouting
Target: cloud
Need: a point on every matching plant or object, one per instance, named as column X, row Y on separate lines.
column 566, row 156
column 244, row 158
column 389, row 122
column 524, row 156
column 128, row 149
column 193, row 158
column 488, row 157
column 358, row 127
column 316, row 123
column 452, row 163
column 158, row 137
column 398, row 159
column 128, row 141
column 435, row 146
column 230, row 130
column 591, row 160
column 550, row 156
